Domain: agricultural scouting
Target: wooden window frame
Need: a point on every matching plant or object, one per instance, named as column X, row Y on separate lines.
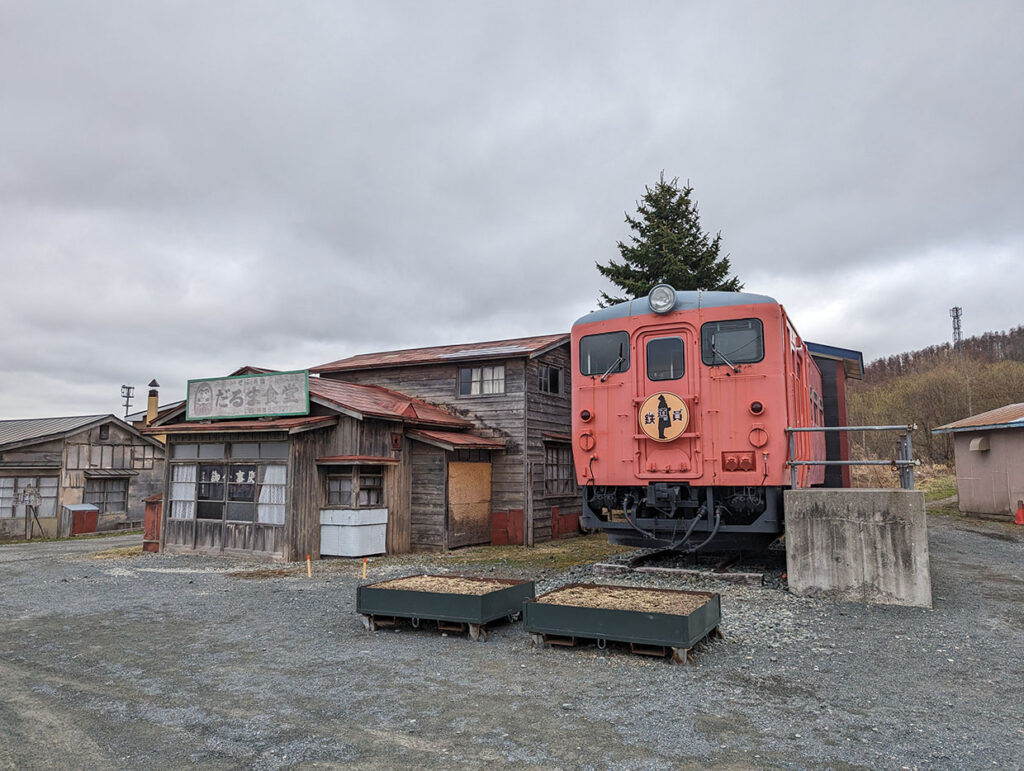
column 476, row 379
column 544, row 373
column 559, row 474
column 355, row 474
column 105, row 497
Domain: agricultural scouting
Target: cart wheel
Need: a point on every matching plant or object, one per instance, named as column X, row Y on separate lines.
column 415, row 622
column 537, row 640
column 368, row 623
column 514, row 616
column 477, row 632
column 602, row 644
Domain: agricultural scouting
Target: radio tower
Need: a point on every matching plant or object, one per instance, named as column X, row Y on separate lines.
column 958, row 336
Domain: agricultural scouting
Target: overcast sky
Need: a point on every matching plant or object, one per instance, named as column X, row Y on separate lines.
column 189, row 187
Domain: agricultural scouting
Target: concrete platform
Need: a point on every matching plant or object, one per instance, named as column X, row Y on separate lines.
column 858, row 545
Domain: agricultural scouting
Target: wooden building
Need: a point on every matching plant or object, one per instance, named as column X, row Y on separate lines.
column 989, row 452
column 515, row 390
column 262, row 486
column 47, row 464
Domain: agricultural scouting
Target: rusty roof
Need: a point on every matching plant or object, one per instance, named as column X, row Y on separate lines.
column 454, row 440
column 1010, row 416
column 519, row 347
column 377, row 401
column 349, row 398
column 290, row 425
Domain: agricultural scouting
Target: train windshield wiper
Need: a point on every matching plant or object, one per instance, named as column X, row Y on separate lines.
column 615, row 364
column 717, row 353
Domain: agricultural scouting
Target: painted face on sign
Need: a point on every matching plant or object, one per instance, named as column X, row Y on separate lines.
column 203, row 400
column 664, row 417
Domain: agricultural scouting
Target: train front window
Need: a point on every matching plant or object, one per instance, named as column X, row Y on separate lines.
column 737, row 341
column 665, row 358
column 604, row 354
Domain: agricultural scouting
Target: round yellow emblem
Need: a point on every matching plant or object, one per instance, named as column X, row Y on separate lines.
column 663, row 416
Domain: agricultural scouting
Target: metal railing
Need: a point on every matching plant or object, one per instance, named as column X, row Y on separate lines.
column 903, row 462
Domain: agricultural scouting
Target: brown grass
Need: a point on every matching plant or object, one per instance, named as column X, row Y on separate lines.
column 255, row 573
column 120, row 552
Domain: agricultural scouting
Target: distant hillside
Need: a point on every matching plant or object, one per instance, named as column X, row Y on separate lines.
column 989, row 347
column 935, row 386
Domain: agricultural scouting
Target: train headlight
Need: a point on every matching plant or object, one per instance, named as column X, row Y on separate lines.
column 662, row 298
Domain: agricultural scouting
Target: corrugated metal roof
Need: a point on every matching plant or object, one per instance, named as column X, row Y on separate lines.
column 382, row 402
column 453, row 440
column 496, row 349
column 12, row 431
column 1010, row 416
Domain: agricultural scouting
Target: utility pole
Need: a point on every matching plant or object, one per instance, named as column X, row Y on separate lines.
column 127, row 393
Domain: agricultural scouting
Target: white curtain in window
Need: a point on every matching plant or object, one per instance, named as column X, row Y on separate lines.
column 270, row 508
column 183, row 492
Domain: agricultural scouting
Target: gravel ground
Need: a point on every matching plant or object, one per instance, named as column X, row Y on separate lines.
column 169, row 661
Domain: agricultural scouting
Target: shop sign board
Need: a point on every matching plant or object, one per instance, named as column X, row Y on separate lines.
column 248, row 396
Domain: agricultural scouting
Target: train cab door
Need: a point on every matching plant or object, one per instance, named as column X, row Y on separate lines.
column 667, row 374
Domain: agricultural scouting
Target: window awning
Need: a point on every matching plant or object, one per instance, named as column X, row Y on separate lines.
column 109, row 473
column 354, row 460
column 455, row 440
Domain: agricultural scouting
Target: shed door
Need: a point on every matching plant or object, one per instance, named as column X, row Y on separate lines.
column 469, row 504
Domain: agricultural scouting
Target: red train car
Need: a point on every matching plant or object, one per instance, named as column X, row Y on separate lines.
column 680, row 404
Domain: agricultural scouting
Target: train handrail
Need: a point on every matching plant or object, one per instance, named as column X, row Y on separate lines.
column 904, row 462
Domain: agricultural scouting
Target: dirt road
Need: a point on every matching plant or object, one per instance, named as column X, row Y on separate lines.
column 156, row 661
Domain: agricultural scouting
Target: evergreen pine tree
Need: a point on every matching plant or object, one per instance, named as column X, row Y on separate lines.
column 667, row 246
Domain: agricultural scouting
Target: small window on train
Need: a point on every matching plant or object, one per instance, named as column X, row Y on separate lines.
column 665, row 358
column 604, row 354
column 737, row 341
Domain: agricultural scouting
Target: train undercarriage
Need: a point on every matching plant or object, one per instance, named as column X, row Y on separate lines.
column 672, row 515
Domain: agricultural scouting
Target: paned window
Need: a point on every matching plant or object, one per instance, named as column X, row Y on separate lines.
column 558, row 473
column 737, row 341
column 40, row 492
column 665, row 358
column 604, row 354
column 356, row 487
column 479, row 381
column 550, row 379
column 232, row 492
column 109, row 494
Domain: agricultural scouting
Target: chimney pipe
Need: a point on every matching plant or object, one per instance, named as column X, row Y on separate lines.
column 152, row 402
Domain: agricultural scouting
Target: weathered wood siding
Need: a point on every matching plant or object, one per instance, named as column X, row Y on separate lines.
column 372, row 438
column 428, row 499
column 495, row 415
column 547, row 413
column 250, row 539
column 69, row 458
column 305, row 493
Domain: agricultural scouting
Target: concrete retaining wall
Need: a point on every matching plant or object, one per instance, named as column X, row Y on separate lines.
column 858, row 545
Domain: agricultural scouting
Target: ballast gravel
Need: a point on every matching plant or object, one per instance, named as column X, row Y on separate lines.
column 161, row 661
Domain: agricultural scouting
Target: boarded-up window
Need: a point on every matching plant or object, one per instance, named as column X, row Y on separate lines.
column 558, row 474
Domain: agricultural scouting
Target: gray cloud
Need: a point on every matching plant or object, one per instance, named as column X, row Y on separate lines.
column 188, row 188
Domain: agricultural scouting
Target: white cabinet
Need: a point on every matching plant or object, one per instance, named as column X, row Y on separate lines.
column 353, row 532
